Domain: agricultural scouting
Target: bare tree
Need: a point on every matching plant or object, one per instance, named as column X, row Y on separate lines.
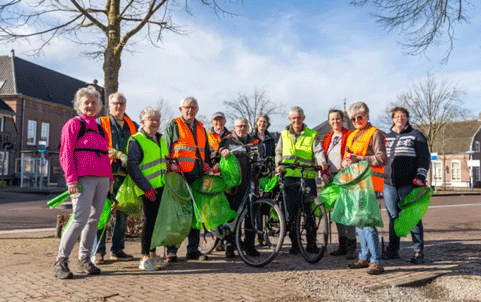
column 423, row 22
column 166, row 113
column 251, row 106
column 432, row 104
column 105, row 28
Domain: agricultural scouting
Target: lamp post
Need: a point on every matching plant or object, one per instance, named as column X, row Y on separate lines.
column 470, row 165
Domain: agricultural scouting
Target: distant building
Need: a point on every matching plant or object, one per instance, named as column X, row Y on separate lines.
column 35, row 103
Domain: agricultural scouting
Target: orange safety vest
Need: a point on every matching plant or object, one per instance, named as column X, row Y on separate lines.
column 327, row 141
column 105, row 120
column 185, row 148
column 359, row 147
column 214, row 139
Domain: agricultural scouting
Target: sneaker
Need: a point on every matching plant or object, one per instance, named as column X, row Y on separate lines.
column 359, row 264
column 375, row 268
column 122, row 256
column 196, row 256
column 99, row 258
column 171, row 257
column 418, row 258
column 61, row 269
column 252, row 252
column 229, row 251
column 391, row 256
column 148, row 265
column 159, row 262
column 87, row 266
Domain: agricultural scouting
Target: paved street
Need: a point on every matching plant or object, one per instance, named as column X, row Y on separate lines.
column 452, row 227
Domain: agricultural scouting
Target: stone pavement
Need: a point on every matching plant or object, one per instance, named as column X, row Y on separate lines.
column 27, row 258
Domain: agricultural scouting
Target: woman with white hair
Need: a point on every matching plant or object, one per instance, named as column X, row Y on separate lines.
column 147, row 167
column 85, row 163
column 367, row 143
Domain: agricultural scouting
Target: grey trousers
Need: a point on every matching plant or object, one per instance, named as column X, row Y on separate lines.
column 87, row 207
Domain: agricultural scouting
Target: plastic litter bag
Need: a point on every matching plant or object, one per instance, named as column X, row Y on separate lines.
column 174, row 219
column 268, row 183
column 54, row 202
column 413, row 207
column 329, row 195
column 230, row 170
column 105, row 216
column 213, row 206
column 356, row 204
column 129, row 202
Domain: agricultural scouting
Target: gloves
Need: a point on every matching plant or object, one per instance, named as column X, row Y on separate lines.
column 418, row 183
column 112, row 153
column 150, row 194
column 206, row 168
column 123, row 159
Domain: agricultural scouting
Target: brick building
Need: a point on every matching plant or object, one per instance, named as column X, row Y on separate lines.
column 35, row 104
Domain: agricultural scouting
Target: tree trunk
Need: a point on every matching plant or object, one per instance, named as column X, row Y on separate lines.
column 111, row 72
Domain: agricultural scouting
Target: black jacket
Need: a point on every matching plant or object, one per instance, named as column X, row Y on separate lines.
column 408, row 157
column 268, row 145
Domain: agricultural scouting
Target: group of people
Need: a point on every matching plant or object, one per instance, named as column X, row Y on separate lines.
column 98, row 153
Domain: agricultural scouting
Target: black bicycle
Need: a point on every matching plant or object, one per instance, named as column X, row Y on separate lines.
column 257, row 218
column 311, row 221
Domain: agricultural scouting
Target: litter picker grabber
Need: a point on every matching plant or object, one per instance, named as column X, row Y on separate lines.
column 113, row 210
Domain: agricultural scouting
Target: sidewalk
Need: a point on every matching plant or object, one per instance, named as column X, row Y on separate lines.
column 27, row 273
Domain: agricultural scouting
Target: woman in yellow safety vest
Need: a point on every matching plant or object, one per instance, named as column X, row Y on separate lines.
column 367, row 143
column 147, row 166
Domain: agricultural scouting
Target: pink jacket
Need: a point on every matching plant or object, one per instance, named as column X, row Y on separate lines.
column 80, row 163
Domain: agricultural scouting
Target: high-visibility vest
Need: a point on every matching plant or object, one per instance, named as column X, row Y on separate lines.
column 153, row 165
column 359, row 147
column 214, row 139
column 185, row 149
column 105, row 120
column 301, row 150
column 327, row 141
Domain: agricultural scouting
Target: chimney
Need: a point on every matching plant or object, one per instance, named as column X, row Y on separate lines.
column 479, row 118
column 12, row 53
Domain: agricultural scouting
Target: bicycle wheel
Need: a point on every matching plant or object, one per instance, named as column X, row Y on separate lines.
column 208, row 241
column 312, row 230
column 269, row 228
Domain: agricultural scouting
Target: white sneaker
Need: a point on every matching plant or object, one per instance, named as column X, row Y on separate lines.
column 159, row 262
column 148, row 265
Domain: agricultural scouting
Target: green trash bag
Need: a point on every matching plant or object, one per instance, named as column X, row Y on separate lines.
column 174, row 219
column 268, row 183
column 356, row 204
column 54, row 202
column 67, row 224
column 210, row 203
column 129, row 202
column 105, row 216
column 413, row 207
column 329, row 195
column 230, row 170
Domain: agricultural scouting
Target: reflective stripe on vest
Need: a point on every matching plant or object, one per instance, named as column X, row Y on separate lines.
column 105, row 120
column 359, row 147
column 185, row 149
column 153, row 165
column 301, row 150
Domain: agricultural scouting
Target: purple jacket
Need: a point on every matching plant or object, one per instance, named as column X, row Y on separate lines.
column 78, row 163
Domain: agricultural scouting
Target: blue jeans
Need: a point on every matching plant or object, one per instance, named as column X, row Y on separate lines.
column 118, row 236
column 392, row 196
column 370, row 246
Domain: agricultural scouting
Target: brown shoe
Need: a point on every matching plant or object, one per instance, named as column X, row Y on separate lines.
column 122, row 256
column 359, row 264
column 375, row 268
column 99, row 258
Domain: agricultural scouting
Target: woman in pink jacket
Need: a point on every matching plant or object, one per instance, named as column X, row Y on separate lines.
column 85, row 163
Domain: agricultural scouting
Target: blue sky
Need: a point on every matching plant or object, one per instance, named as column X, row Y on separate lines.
column 312, row 55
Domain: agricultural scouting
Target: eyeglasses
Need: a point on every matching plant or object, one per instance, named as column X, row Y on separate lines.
column 241, row 126
column 118, row 104
column 189, row 108
column 357, row 118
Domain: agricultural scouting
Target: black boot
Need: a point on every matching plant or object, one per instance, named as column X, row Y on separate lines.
column 342, row 250
column 351, row 249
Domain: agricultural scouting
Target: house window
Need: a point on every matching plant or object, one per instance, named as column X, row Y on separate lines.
column 476, row 176
column 438, row 170
column 32, row 133
column 44, row 134
column 2, row 123
column 456, row 170
column 477, row 146
column 3, row 163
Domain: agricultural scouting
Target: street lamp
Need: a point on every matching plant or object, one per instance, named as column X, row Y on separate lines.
column 470, row 165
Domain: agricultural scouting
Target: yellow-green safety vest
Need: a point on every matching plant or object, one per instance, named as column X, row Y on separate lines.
column 153, row 165
column 302, row 150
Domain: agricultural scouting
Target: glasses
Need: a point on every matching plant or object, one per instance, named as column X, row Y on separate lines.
column 240, row 126
column 189, row 108
column 357, row 118
column 119, row 104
